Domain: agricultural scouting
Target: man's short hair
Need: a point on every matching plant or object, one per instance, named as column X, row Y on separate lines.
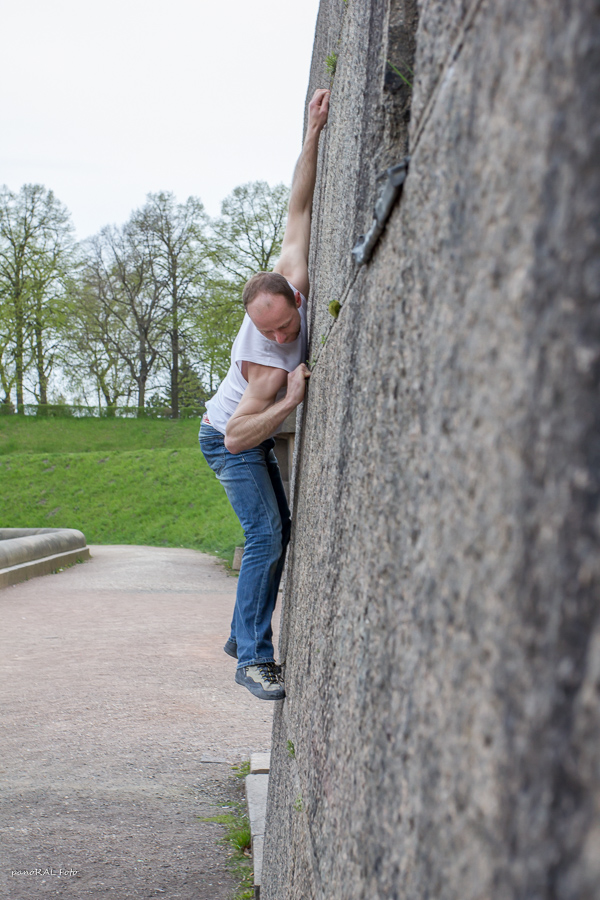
column 267, row 283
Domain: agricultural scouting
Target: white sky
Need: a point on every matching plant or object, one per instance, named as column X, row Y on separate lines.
column 104, row 102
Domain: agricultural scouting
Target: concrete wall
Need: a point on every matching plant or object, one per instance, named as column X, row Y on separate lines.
column 440, row 630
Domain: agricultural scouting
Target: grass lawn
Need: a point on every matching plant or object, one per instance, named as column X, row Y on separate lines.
column 122, row 481
column 28, row 434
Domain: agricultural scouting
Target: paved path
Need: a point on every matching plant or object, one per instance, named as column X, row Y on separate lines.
column 120, row 723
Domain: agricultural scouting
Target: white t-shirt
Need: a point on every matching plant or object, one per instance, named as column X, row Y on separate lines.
column 251, row 346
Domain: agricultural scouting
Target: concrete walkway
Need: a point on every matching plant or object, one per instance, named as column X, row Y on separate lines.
column 120, row 723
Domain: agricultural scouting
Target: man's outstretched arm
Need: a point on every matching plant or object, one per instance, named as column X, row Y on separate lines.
column 293, row 262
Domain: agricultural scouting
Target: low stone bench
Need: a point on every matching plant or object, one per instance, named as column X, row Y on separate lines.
column 27, row 552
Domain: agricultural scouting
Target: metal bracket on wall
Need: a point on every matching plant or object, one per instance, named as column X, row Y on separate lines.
column 396, row 176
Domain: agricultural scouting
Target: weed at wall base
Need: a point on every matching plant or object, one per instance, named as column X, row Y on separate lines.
column 239, row 839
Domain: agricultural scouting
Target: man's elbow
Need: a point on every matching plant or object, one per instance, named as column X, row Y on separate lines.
column 232, row 443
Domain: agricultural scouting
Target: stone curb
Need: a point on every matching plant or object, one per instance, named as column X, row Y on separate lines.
column 257, row 786
column 28, row 552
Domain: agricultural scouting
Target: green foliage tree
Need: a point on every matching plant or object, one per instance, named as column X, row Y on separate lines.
column 8, row 371
column 175, row 244
column 247, row 237
column 88, row 348
column 118, row 295
column 218, row 319
column 192, row 392
column 36, row 246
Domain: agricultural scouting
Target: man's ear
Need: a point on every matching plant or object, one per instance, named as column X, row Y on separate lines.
column 298, row 299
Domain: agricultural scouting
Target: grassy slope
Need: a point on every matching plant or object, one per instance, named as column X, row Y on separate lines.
column 122, row 481
column 26, row 434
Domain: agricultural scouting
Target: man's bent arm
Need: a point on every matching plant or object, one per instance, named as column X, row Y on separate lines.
column 258, row 414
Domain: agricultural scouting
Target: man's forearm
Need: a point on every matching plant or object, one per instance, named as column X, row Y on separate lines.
column 305, row 173
column 247, row 431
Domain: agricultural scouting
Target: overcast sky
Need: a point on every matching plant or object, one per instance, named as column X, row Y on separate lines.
column 104, row 102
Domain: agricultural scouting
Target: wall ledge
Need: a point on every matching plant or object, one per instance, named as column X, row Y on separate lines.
column 28, row 552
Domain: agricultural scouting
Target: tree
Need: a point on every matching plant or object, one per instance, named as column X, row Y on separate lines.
column 124, row 302
column 88, row 348
column 247, row 237
column 218, row 319
column 36, row 242
column 175, row 244
column 191, row 389
column 8, row 374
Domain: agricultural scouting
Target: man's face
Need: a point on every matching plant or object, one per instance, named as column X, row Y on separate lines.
column 275, row 318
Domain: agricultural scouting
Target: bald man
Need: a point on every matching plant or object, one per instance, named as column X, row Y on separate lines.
column 265, row 383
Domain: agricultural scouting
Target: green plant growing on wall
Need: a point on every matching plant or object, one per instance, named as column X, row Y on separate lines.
column 334, row 308
column 399, row 73
column 291, row 750
column 331, row 65
column 299, row 803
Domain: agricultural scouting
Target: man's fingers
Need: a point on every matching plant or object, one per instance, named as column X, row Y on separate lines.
column 321, row 97
column 301, row 371
column 297, row 383
column 320, row 105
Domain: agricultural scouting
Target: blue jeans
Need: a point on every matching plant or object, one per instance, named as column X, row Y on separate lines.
column 253, row 485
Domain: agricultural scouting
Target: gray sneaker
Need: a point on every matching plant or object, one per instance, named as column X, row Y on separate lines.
column 264, row 680
column 230, row 648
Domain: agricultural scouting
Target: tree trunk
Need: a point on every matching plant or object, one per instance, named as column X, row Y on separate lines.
column 110, row 402
column 141, row 393
column 175, row 374
column 175, row 352
column 39, row 359
column 19, row 354
column 143, row 373
column 141, row 385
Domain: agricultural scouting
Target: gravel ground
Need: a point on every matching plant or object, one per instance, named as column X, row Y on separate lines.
column 121, row 721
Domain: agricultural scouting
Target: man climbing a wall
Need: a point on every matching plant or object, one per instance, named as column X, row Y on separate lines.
column 265, row 383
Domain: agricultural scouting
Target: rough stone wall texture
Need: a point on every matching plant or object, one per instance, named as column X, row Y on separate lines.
column 440, row 736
